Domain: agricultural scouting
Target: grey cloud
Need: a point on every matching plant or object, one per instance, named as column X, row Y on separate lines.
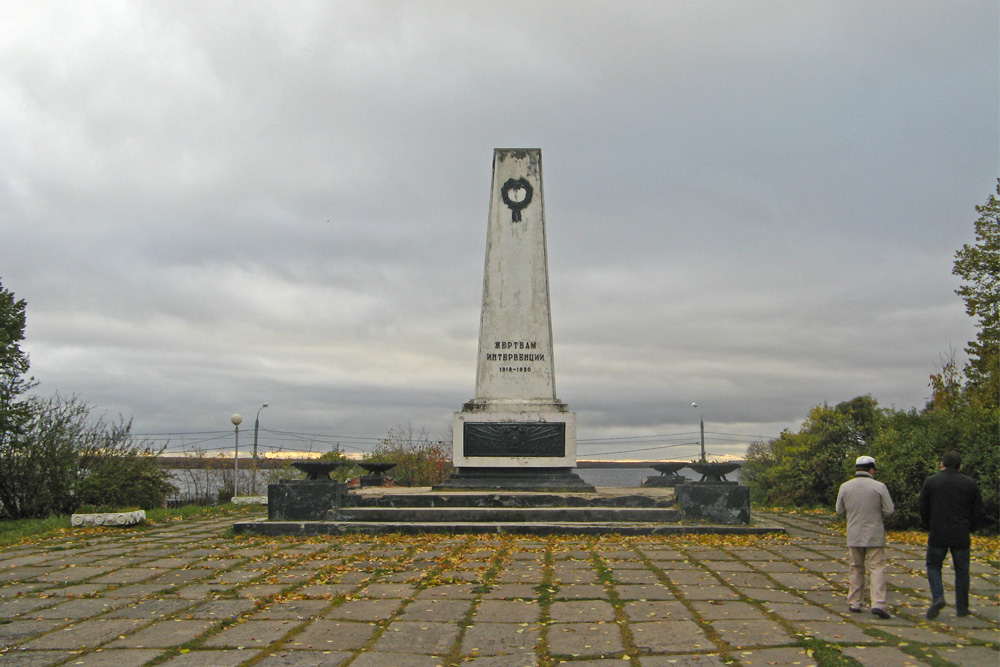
column 211, row 205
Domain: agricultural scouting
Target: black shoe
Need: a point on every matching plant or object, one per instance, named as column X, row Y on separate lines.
column 855, row 610
column 963, row 612
column 935, row 608
column 881, row 613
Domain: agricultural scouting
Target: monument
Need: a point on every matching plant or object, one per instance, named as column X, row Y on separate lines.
column 515, row 434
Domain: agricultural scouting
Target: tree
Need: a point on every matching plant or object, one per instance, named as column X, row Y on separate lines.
column 13, row 367
column 15, row 412
column 53, row 456
column 805, row 469
column 115, row 470
column 64, row 458
column 979, row 267
column 909, row 445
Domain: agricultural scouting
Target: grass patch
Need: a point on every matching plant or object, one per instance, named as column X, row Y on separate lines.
column 826, row 655
column 21, row 531
column 202, row 512
column 17, row 531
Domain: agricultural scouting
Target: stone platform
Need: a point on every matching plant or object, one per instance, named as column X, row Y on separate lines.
column 189, row 594
column 407, row 510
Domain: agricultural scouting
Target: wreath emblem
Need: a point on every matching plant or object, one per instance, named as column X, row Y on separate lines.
column 516, row 185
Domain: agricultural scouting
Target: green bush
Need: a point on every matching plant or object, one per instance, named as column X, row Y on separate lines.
column 345, row 472
column 64, row 458
column 130, row 480
column 805, row 469
column 419, row 460
column 909, row 446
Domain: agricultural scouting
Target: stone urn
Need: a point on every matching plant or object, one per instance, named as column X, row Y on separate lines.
column 668, row 474
column 376, row 472
column 317, row 470
column 714, row 471
column 669, row 467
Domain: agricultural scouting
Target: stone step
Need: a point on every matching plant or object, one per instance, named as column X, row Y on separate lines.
column 505, row 514
column 476, row 500
column 314, row 528
column 550, row 480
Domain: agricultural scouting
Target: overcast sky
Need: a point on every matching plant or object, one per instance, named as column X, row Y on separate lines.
column 752, row 205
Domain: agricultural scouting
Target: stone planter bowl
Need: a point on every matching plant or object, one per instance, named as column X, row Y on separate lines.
column 377, row 468
column 669, row 467
column 318, row 470
column 717, row 470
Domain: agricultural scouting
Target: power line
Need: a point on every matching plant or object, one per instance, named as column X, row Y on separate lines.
column 366, row 443
column 639, row 437
column 646, row 449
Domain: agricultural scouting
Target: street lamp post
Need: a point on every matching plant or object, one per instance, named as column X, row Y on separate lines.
column 256, row 428
column 237, row 420
column 701, row 424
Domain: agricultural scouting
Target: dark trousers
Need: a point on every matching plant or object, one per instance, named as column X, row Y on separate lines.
column 960, row 561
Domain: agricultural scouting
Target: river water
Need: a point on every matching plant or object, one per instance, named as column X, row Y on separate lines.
column 634, row 476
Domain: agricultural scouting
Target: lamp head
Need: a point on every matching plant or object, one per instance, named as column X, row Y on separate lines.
column 236, row 419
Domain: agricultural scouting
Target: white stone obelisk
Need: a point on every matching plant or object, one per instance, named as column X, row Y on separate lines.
column 515, row 425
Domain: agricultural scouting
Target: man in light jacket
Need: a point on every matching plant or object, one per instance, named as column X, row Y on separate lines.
column 866, row 503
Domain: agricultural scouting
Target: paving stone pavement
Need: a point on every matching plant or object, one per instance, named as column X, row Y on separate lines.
column 191, row 595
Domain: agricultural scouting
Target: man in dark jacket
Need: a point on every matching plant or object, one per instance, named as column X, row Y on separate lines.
column 950, row 505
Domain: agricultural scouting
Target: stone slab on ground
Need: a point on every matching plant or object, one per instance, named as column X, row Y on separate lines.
column 507, row 611
column 744, row 634
column 205, row 658
column 500, row 639
column 17, row 658
column 836, row 632
column 378, row 659
column 328, row 635
column 669, row 637
column 970, row 656
column 585, row 639
column 163, row 634
column 425, row 638
column 90, row 633
column 883, row 656
column 776, row 657
column 306, row 659
column 680, row 661
column 251, row 634
column 117, row 658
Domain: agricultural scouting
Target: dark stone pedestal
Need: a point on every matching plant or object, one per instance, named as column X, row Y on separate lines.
column 515, row 479
column 663, row 480
column 725, row 503
column 303, row 499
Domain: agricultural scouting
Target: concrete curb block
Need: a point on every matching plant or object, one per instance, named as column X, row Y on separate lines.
column 109, row 518
column 249, row 500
